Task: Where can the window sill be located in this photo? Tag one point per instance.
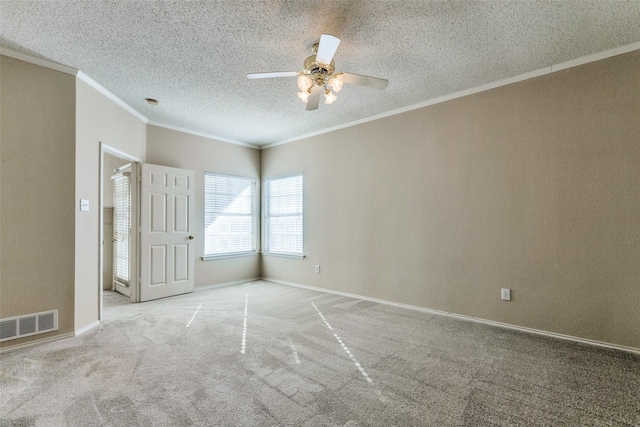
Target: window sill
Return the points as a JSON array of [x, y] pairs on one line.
[[229, 255], [284, 255]]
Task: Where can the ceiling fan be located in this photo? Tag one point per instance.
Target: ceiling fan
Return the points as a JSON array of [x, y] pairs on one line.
[[319, 75]]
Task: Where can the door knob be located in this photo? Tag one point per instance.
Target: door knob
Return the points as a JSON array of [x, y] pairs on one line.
[[191, 237]]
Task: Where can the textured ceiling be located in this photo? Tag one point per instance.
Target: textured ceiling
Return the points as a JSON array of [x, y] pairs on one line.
[[193, 56]]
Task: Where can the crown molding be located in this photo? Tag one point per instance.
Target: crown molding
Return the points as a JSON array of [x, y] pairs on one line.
[[106, 92], [79, 74], [432, 101], [110, 95], [596, 56], [521, 77], [38, 61], [202, 134]]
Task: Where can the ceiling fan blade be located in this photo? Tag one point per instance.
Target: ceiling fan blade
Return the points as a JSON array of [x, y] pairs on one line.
[[357, 79], [272, 74], [314, 98], [327, 48]]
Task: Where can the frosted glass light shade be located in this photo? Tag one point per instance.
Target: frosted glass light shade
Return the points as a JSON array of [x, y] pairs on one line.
[[329, 98], [304, 96], [304, 83], [337, 84]]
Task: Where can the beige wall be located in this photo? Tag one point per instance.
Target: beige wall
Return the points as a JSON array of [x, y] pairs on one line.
[[181, 150], [37, 152], [533, 186], [98, 120]]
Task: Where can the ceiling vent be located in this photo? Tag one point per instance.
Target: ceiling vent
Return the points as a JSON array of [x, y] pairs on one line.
[[12, 328]]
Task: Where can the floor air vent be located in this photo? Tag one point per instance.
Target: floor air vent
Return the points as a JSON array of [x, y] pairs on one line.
[[29, 324]]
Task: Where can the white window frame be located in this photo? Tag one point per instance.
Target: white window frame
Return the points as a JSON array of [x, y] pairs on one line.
[[267, 216], [254, 219], [122, 226]]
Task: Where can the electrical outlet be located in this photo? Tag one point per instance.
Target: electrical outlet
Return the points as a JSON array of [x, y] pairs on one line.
[[84, 205], [506, 294], [317, 269]]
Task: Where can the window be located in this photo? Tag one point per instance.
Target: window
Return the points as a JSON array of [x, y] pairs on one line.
[[121, 224], [283, 215], [229, 220]]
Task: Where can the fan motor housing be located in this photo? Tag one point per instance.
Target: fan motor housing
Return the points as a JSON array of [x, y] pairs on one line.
[[311, 66]]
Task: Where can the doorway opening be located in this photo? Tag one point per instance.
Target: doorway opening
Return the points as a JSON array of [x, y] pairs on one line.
[[147, 244], [118, 224]]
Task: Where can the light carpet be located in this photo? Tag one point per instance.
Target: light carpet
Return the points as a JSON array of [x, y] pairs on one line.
[[263, 354]]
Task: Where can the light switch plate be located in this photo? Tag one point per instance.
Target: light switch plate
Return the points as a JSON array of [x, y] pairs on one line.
[[84, 205], [505, 294]]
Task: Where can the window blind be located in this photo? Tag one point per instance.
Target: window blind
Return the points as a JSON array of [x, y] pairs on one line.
[[283, 215], [228, 214], [121, 226]]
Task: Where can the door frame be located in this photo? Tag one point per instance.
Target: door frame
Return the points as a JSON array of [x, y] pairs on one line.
[[135, 222]]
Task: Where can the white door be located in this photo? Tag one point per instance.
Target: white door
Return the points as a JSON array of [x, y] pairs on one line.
[[167, 240]]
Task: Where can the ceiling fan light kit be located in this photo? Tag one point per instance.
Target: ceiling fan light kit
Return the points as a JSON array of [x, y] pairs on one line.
[[319, 75], [304, 82], [336, 83], [329, 98], [303, 95]]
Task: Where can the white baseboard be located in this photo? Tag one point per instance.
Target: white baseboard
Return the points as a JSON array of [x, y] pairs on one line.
[[219, 285], [54, 338], [464, 317], [88, 327], [37, 342]]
